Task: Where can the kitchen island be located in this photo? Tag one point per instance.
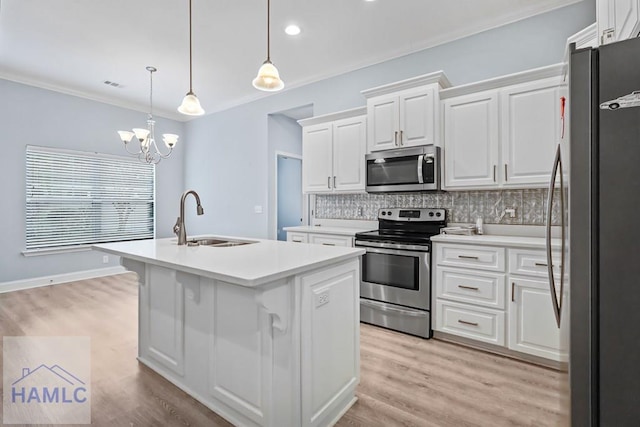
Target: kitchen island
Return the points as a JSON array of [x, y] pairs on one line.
[[264, 333]]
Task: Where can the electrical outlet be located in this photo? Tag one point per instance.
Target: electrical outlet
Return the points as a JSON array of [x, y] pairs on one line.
[[511, 212], [257, 209], [105, 259], [322, 299]]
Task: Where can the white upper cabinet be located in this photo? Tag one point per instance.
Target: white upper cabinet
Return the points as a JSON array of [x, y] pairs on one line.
[[503, 132], [317, 158], [404, 114], [349, 136], [383, 114], [333, 148], [471, 140], [617, 20], [531, 130]]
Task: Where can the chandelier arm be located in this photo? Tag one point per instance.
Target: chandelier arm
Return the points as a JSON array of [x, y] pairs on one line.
[[126, 147], [159, 152]]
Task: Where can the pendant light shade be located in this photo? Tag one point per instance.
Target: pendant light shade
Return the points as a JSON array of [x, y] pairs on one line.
[[190, 104], [268, 78]]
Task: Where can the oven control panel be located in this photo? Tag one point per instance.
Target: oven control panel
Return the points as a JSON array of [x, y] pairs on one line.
[[412, 214]]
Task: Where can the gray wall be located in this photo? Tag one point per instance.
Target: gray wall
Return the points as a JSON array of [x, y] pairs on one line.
[[229, 156], [33, 116]]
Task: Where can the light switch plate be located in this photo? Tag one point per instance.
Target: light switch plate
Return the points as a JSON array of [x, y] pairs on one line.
[[257, 209], [322, 299]]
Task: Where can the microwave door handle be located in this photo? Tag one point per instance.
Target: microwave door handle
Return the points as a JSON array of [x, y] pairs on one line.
[[420, 174]]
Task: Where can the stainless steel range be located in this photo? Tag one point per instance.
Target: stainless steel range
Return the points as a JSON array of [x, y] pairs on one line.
[[395, 287]]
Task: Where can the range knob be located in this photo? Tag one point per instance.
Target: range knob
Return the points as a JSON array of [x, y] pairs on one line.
[[430, 213], [388, 212], [383, 213], [438, 214]]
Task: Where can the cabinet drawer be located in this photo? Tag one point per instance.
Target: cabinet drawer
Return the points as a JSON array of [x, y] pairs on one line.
[[480, 288], [476, 257], [296, 237], [477, 323], [531, 263], [329, 240]]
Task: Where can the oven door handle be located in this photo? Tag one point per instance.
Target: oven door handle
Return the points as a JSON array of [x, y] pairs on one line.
[[386, 307], [390, 247]]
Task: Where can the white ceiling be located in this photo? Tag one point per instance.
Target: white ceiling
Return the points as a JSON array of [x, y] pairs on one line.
[[74, 45]]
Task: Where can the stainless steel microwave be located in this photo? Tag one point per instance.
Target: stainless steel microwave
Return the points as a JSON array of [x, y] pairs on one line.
[[406, 169]]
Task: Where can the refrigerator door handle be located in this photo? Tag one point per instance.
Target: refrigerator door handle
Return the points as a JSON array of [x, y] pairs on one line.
[[557, 164]]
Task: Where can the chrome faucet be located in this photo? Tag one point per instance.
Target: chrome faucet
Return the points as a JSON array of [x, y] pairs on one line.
[[179, 229]]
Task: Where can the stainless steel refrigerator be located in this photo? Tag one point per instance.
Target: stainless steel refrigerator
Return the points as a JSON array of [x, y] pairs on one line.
[[602, 167]]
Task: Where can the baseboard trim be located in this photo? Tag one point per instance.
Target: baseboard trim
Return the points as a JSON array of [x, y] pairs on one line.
[[57, 279]]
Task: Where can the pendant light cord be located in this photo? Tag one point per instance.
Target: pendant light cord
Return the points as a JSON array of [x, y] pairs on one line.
[[190, 53], [150, 94], [268, 31]]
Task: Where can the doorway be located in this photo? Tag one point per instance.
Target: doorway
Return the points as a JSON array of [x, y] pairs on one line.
[[289, 198]]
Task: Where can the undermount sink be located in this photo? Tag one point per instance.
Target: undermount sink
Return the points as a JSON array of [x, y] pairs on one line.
[[217, 243]]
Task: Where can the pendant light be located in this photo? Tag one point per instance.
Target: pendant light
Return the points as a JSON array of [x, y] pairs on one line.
[[268, 78], [190, 104]]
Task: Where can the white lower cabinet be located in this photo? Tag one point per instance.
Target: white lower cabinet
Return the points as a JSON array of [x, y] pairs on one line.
[[326, 239], [533, 327], [330, 240], [477, 323], [496, 295]]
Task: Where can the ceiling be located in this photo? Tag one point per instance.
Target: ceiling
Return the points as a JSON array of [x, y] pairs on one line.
[[73, 46]]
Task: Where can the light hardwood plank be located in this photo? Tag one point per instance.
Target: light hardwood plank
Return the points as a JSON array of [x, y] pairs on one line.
[[405, 381]]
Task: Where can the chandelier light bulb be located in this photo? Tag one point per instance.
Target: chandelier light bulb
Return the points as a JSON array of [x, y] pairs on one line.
[[141, 134], [170, 139], [126, 136]]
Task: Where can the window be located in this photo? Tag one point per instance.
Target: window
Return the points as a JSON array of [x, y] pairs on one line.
[[76, 198]]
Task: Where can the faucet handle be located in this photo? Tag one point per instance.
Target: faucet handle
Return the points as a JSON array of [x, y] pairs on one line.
[[176, 227]]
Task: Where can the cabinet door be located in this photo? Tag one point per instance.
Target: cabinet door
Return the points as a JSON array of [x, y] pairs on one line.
[[349, 140], [383, 126], [471, 140], [617, 20], [317, 158], [417, 117], [532, 324], [530, 131]]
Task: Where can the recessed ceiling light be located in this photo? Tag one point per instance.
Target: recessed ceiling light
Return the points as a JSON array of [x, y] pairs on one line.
[[292, 30]]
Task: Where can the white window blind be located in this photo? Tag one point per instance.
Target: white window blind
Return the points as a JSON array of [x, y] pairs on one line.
[[75, 198]]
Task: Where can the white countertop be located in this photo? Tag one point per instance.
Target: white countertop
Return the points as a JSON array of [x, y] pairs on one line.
[[497, 240], [247, 265], [342, 231]]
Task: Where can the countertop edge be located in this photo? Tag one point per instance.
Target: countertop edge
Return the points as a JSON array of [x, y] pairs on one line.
[[249, 283], [497, 240]]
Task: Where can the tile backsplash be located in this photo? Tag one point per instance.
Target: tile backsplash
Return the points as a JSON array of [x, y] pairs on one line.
[[462, 206]]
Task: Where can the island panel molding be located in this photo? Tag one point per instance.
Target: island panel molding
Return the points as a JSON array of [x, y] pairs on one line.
[[283, 352]]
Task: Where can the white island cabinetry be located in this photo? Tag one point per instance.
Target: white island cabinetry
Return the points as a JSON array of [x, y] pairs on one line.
[[264, 334]]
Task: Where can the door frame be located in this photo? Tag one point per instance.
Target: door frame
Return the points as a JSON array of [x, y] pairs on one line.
[[305, 196]]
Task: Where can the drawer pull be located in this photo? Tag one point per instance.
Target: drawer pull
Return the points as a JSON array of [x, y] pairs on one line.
[[329, 244], [464, 322], [467, 257], [296, 241], [513, 296], [473, 288], [541, 264]]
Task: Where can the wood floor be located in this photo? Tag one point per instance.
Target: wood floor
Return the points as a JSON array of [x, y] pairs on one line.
[[405, 381]]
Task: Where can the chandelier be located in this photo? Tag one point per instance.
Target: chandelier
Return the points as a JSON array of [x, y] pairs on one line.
[[148, 151]]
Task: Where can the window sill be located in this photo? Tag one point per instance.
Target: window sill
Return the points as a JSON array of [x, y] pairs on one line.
[[52, 251]]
